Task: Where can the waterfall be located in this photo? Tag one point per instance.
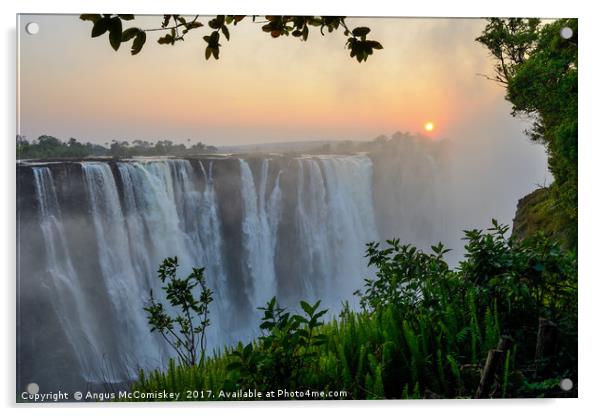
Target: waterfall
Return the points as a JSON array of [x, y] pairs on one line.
[[312, 217], [296, 229], [65, 287], [124, 287], [260, 220], [171, 216], [350, 220], [211, 236]]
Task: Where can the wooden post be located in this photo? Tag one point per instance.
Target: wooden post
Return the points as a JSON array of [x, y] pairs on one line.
[[494, 359], [547, 340], [504, 343]]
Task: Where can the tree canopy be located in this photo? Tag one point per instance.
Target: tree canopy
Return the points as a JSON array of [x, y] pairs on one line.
[[538, 68], [48, 147], [177, 27]]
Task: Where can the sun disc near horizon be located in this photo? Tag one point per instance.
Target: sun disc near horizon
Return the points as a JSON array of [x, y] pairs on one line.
[[429, 126]]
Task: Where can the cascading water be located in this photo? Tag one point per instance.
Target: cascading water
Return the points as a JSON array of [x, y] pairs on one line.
[[171, 216], [124, 288], [294, 228], [350, 219], [260, 220], [312, 214], [64, 285]]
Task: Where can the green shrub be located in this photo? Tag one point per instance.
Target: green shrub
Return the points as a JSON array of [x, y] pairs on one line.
[[424, 330]]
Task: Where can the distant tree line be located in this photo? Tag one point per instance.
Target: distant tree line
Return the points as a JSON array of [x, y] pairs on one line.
[[49, 147], [382, 143]]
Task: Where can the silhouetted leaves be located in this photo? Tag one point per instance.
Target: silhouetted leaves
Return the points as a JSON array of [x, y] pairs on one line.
[[115, 29], [168, 39], [277, 26], [139, 37], [90, 17], [361, 32], [218, 22], [213, 45], [128, 34], [361, 49], [138, 42], [226, 32], [101, 25]]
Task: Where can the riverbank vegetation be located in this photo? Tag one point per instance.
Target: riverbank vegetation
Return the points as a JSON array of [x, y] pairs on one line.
[[537, 65], [49, 147], [501, 324]]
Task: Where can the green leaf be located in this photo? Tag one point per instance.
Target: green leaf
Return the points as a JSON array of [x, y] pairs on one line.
[[320, 339], [248, 349], [306, 307], [126, 16], [233, 366], [320, 314]]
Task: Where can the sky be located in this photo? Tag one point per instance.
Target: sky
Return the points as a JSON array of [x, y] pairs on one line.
[[261, 89]]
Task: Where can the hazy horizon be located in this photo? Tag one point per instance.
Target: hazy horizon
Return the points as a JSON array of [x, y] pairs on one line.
[[261, 90]]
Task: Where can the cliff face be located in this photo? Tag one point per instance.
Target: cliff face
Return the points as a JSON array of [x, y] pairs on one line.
[[535, 213]]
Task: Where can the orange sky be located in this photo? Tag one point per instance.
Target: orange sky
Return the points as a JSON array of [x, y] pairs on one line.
[[261, 89]]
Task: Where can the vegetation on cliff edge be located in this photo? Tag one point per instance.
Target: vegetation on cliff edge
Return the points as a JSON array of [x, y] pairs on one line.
[[537, 66], [425, 330]]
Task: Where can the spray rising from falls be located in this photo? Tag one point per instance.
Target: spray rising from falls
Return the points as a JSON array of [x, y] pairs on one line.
[[294, 228]]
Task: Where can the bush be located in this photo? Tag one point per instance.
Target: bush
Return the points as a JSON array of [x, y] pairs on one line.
[[191, 297], [424, 330]]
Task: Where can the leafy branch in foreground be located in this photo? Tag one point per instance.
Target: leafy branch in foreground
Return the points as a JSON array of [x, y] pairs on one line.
[[185, 332], [178, 26]]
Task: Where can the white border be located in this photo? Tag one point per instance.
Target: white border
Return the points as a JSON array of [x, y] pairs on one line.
[[590, 153]]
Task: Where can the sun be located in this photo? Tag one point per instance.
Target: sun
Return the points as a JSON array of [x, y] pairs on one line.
[[429, 126]]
